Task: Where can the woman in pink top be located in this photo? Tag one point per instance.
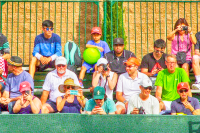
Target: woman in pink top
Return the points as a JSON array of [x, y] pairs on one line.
[[182, 35]]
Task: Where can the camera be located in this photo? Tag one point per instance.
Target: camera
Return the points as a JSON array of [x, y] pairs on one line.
[[105, 68], [184, 27], [141, 110]]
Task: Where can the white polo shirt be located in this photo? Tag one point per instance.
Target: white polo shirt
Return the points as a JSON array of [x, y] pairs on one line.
[[52, 81], [128, 86]]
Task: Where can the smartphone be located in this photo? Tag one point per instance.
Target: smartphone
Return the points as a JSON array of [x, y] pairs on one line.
[[96, 106], [73, 92], [26, 92]]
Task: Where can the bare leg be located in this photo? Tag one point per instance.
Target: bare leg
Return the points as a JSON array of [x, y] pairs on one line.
[[120, 109], [32, 66], [0, 90], [46, 108], [185, 66], [195, 65], [82, 72]]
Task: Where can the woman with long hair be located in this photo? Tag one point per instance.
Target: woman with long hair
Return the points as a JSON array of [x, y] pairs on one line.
[[182, 39]]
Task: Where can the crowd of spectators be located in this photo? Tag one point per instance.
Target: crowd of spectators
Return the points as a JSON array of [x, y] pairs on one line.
[[118, 71]]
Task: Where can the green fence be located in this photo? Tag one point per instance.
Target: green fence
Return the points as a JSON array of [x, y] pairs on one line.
[[51, 123], [139, 22]]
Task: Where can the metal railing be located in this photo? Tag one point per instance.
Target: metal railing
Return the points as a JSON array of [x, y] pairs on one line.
[[143, 21]]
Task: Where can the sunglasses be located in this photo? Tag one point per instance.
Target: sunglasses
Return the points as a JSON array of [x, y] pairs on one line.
[[158, 51], [48, 29], [150, 88], [130, 66], [60, 65], [69, 86], [181, 91]]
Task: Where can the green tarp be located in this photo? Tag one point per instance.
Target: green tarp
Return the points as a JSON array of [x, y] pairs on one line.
[[99, 123]]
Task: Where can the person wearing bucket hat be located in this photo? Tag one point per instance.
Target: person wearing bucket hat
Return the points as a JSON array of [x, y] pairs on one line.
[[100, 104], [17, 75], [185, 104], [102, 46], [128, 84], [118, 56], [47, 47], [104, 77], [73, 99], [143, 103], [27, 104], [52, 82]]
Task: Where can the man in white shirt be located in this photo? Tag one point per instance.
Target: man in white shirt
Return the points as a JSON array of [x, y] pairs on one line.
[[143, 103], [51, 83], [128, 84]]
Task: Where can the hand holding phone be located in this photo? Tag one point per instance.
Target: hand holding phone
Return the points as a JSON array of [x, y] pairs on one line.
[[27, 92]]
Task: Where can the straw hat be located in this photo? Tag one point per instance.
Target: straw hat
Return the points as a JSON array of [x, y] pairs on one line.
[[68, 81]]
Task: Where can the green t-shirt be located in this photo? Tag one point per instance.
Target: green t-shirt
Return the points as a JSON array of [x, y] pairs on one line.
[[169, 81]]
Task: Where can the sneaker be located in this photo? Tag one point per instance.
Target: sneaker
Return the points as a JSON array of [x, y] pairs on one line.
[[81, 83], [196, 86]]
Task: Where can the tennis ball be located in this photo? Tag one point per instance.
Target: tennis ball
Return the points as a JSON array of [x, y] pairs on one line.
[[91, 55]]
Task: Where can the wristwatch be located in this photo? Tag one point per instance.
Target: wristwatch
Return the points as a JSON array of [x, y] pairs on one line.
[[125, 101]]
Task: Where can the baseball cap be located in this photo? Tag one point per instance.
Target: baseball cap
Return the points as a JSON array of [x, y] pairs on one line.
[[96, 30], [60, 60], [15, 61], [102, 61], [146, 83], [183, 85], [68, 81], [132, 61], [98, 93], [118, 41], [24, 86]]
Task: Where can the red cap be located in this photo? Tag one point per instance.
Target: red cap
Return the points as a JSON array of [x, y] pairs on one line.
[[183, 85], [24, 86], [132, 61], [96, 30]]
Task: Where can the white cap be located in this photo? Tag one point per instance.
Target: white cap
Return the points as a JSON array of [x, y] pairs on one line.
[[146, 82], [60, 60], [102, 61]]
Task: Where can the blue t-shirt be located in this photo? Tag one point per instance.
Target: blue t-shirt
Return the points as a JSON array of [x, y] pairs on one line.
[[47, 47], [102, 44], [108, 106], [13, 82], [178, 107]]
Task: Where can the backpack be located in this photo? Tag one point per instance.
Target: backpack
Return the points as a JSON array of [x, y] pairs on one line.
[[73, 56]]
